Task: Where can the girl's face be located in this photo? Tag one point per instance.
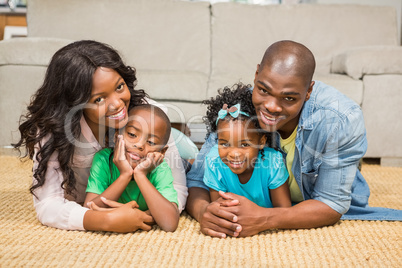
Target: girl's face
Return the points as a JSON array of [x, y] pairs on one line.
[[108, 104], [239, 143]]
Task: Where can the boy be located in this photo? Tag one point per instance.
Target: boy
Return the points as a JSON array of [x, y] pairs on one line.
[[138, 171]]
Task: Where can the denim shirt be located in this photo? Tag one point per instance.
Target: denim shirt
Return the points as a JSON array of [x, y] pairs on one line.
[[330, 141]]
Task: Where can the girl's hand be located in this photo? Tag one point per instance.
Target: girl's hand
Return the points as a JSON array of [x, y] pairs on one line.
[[120, 160], [150, 163]]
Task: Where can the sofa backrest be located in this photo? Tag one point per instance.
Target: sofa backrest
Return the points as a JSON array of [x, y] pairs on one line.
[[168, 42], [241, 33]]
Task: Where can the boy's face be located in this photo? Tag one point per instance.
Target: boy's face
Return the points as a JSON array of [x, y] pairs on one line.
[[278, 100], [143, 134], [239, 144]]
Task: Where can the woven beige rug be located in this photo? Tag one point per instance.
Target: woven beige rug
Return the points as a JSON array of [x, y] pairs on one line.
[[24, 242]]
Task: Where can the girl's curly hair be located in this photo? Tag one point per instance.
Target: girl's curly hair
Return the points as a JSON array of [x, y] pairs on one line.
[[238, 93]]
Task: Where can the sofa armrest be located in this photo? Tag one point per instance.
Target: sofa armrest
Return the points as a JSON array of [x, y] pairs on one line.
[[30, 50], [359, 61]]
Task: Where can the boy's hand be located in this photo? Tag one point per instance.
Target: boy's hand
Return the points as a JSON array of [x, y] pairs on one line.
[[150, 163], [120, 160]]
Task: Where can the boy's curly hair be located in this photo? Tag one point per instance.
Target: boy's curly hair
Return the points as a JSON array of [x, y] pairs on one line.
[[238, 93]]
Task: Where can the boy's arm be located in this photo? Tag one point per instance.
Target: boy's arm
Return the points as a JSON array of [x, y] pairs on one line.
[[165, 213], [113, 192]]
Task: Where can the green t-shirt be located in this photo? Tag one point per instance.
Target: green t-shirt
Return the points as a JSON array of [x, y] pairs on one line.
[[100, 179]]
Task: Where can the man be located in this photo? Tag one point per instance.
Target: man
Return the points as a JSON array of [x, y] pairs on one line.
[[322, 135]]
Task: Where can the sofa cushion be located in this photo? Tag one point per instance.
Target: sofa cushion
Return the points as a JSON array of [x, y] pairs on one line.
[[173, 85], [241, 33], [29, 51], [167, 37], [359, 61]]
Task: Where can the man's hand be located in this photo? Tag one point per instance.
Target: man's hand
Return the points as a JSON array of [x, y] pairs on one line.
[[249, 215], [215, 221]]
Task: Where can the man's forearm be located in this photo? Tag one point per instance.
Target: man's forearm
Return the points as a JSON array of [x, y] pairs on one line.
[[197, 201], [307, 214]]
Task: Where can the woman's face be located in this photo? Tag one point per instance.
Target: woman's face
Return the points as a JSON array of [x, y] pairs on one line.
[[108, 104]]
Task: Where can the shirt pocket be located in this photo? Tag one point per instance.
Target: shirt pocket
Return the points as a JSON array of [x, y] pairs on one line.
[[310, 169]]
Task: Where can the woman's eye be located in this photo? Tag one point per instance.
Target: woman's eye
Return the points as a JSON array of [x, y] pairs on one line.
[[245, 145], [98, 100], [121, 87]]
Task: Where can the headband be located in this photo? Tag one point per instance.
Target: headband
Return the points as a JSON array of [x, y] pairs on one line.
[[234, 111]]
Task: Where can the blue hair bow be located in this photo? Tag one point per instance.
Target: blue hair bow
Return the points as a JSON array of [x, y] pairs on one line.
[[234, 111]]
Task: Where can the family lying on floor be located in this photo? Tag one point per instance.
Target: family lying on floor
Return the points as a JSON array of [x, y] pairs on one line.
[[281, 154]]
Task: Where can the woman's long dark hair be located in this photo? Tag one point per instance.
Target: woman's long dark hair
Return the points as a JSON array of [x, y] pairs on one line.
[[67, 85]]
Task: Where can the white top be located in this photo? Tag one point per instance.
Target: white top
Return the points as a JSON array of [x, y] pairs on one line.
[[56, 209]]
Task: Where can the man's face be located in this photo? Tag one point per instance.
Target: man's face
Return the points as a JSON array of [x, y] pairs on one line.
[[278, 100]]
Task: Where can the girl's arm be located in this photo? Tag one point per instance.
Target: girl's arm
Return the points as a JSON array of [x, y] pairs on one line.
[[165, 213], [214, 195], [280, 197]]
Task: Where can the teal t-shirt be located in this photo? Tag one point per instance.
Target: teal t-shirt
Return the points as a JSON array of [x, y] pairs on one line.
[[100, 178], [269, 173]]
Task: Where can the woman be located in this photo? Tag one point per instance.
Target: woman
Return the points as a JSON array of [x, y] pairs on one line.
[[84, 97]]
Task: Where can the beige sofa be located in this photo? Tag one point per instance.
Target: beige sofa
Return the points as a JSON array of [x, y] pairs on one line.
[[184, 51]]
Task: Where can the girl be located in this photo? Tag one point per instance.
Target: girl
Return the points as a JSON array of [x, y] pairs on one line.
[[240, 163], [85, 95]]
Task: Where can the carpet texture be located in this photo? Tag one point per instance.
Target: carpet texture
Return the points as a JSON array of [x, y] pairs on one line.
[[24, 242]]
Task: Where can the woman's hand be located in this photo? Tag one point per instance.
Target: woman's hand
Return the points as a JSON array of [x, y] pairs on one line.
[[149, 163], [120, 160], [121, 218]]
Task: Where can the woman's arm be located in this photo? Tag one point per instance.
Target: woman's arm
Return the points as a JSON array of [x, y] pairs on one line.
[[122, 218], [54, 210], [280, 197], [172, 157]]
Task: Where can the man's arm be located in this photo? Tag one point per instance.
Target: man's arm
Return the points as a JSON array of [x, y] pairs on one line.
[[254, 219]]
